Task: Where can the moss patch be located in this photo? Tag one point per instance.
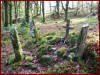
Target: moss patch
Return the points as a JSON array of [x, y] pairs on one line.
[[29, 58], [30, 66], [46, 60], [61, 51]]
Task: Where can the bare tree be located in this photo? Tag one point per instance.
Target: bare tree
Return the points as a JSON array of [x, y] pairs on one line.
[[65, 9]]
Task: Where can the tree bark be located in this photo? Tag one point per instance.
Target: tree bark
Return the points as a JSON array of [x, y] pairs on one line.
[[43, 11], [6, 13], [98, 11], [67, 28], [27, 11], [10, 13], [57, 8], [66, 11], [91, 6], [15, 4]]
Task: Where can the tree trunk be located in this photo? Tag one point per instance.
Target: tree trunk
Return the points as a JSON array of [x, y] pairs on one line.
[[77, 9], [72, 4], [98, 11], [57, 8], [6, 13], [91, 6], [16, 45], [10, 13], [2, 13], [67, 28], [15, 4], [81, 41], [27, 11], [66, 11], [40, 7], [50, 5], [43, 11]]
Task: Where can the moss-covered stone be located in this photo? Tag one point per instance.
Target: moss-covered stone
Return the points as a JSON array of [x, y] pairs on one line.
[[54, 40], [16, 45], [29, 58], [46, 60], [15, 66], [30, 66], [61, 51], [41, 51]]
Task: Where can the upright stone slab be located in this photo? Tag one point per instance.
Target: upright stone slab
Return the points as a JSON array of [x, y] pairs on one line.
[[67, 28], [33, 30], [16, 45], [81, 41]]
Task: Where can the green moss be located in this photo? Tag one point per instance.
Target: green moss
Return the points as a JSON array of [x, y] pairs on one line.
[[65, 56], [73, 40], [10, 60], [15, 66], [29, 58], [16, 45], [41, 51], [46, 60], [54, 40], [30, 44], [30, 66], [61, 51]]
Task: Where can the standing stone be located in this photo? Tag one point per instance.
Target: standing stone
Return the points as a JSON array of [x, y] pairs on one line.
[[16, 45], [67, 28], [81, 41], [33, 30]]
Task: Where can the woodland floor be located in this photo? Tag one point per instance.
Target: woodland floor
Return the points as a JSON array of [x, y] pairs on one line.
[[6, 49]]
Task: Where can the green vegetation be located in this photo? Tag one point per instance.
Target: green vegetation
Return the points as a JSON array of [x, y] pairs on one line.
[[61, 51], [34, 41], [46, 60]]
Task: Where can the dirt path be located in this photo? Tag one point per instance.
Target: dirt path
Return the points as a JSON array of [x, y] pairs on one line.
[[54, 28]]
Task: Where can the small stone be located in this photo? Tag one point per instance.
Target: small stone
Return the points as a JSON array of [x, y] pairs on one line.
[[26, 52], [69, 56], [29, 58]]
